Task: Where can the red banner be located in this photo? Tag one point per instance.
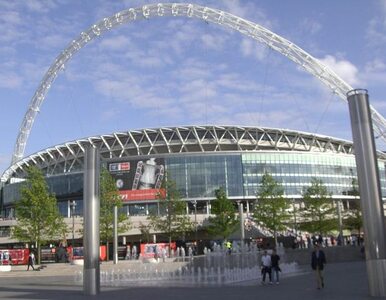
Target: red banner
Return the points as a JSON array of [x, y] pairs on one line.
[[149, 194]]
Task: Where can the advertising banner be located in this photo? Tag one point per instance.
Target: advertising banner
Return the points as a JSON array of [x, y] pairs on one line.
[[138, 179], [14, 256]]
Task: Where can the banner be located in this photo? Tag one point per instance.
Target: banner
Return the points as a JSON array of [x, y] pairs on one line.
[[139, 179]]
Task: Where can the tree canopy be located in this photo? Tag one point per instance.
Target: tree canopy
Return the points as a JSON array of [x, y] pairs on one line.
[[353, 219], [173, 220], [224, 220], [109, 197], [37, 213], [319, 214], [271, 208]]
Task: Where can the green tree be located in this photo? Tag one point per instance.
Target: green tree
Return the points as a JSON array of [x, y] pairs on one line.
[[109, 197], [37, 213], [224, 220], [319, 214], [145, 231], [271, 208], [353, 220], [173, 221]]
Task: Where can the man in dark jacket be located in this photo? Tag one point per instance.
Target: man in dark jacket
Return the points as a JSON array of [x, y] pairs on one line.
[[318, 260], [275, 266]]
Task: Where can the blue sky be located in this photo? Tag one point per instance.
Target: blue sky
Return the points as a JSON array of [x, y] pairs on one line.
[[180, 71]]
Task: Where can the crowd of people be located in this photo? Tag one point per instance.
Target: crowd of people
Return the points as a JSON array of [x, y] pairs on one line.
[[307, 241]]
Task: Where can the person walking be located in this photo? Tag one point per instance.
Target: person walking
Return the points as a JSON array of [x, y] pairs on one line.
[[266, 267], [31, 261], [275, 269], [318, 260]]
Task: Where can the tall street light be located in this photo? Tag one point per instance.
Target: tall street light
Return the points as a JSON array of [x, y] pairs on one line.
[[194, 202], [73, 206]]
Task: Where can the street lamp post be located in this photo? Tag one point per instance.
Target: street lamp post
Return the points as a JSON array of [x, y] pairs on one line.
[[73, 205], [194, 202], [370, 190], [295, 219]]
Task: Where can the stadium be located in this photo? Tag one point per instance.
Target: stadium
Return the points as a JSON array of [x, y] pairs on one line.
[[200, 159]]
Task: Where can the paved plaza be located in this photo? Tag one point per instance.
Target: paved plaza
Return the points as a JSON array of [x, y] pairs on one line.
[[57, 281]]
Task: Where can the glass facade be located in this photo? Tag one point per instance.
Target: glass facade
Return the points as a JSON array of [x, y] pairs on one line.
[[198, 175], [70, 184], [294, 171]]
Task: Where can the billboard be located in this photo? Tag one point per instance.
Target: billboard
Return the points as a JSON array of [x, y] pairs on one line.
[[14, 256], [138, 179]]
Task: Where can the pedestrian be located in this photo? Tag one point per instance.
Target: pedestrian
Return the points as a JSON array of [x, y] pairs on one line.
[[266, 267], [353, 240], [318, 260], [275, 269], [229, 247], [163, 254], [301, 242], [340, 240], [308, 241], [320, 240], [31, 261], [155, 250]]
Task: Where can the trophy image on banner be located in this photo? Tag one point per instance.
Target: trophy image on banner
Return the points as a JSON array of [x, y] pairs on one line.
[[148, 175]]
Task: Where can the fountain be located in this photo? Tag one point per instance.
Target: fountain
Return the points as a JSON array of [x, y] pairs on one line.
[[215, 268]]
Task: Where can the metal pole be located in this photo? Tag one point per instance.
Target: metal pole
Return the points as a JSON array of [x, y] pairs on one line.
[[73, 204], [370, 192], [115, 257], [195, 224], [339, 209], [73, 228], [295, 220], [91, 208], [241, 213]]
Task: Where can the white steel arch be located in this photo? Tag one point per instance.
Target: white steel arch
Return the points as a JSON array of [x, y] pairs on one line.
[[253, 30]]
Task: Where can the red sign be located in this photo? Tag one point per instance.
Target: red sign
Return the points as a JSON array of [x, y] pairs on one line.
[[149, 194], [77, 252], [156, 249], [18, 256], [125, 166], [119, 167]]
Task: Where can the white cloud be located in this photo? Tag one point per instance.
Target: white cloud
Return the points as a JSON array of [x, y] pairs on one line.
[[375, 33], [180, 35], [52, 41], [147, 58], [251, 48], [383, 7], [377, 65], [119, 42], [132, 92], [343, 68], [10, 81], [11, 18], [249, 11], [192, 69], [214, 42], [310, 26], [375, 72], [39, 5]]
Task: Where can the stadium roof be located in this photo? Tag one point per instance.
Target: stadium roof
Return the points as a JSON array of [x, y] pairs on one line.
[[68, 157]]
